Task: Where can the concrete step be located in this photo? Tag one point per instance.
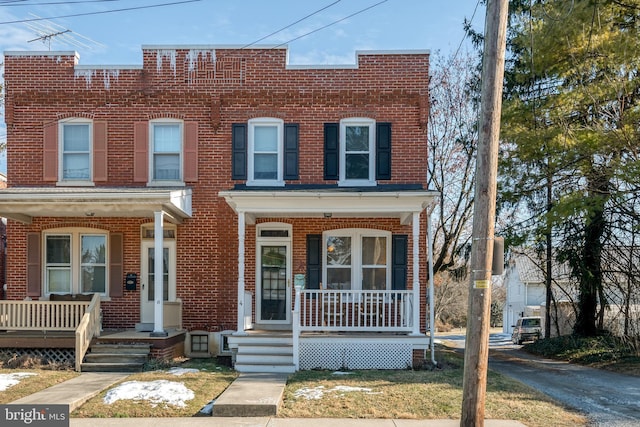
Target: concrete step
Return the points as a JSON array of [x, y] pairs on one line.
[[251, 395], [265, 368], [111, 367], [264, 359], [121, 348], [116, 358], [257, 339], [265, 348]]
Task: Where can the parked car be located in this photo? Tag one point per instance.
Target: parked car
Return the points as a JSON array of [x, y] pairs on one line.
[[526, 329]]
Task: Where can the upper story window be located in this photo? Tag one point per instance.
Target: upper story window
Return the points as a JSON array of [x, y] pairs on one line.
[[75, 151], [357, 152], [166, 151], [265, 152], [75, 262]]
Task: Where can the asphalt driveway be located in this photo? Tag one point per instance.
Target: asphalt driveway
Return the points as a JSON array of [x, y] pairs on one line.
[[608, 399]]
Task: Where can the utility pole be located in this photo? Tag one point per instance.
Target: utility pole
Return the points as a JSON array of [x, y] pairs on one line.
[[476, 353]]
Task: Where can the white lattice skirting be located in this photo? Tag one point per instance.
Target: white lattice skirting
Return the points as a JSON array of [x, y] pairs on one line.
[[355, 355]]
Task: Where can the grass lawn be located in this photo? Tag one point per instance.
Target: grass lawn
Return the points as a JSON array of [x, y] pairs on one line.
[[417, 394]]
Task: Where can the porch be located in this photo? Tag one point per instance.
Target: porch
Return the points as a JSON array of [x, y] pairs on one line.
[[65, 329], [336, 329]]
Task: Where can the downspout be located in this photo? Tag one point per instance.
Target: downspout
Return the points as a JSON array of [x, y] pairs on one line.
[[432, 316]]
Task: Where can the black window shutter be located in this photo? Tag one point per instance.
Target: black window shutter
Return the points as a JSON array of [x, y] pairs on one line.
[[239, 149], [399, 262], [331, 150], [291, 149], [314, 261], [383, 151]]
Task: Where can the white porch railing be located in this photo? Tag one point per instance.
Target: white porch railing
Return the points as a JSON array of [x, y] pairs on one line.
[[354, 310], [83, 317]]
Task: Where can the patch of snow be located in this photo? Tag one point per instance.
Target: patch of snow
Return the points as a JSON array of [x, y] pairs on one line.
[[312, 393], [181, 371], [208, 408], [9, 380], [160, 391], [342, 373]]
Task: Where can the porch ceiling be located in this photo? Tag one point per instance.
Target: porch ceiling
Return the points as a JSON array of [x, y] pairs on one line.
[[23, 204], [334, 204]]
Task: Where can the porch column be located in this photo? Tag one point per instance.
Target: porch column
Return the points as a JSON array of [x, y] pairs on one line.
[[158, 275], [241, 250], [416, 274]]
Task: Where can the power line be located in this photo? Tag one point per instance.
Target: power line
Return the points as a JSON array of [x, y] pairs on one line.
[[101, 12], [332, 23], [292, 24]]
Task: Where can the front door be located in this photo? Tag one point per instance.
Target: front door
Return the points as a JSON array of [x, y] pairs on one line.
[[274, 283], [147, 281]]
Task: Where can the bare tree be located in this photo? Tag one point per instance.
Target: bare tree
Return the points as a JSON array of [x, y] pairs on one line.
[[452, 138]]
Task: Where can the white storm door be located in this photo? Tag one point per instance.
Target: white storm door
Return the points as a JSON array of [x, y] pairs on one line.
[[273, 296], [147, 279]]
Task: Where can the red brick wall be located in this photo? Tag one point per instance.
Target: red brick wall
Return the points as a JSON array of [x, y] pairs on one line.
[[237, 86]]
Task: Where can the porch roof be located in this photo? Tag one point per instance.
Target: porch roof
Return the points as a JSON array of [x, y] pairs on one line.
[[24, 203], [330, 203]]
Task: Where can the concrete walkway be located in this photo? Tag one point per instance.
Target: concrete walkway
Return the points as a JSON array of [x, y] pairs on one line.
[[75, 391], [250, 392]]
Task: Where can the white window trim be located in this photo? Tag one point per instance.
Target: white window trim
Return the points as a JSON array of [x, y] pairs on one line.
[[356, 235], [265, 121], [67, 181], [357, 121], [76, 261], [165, 182]]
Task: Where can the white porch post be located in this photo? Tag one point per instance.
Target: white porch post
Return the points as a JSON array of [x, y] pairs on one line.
[[416, 274], [241, 251], [158, 303]]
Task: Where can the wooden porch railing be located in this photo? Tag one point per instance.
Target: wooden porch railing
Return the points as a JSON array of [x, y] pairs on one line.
[[41, 315], [83, 317], [354, 310], [88, 328]]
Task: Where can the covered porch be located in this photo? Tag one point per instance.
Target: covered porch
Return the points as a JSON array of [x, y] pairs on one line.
[[346, 319]]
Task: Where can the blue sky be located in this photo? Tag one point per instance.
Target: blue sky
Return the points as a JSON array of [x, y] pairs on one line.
[[115, 38]]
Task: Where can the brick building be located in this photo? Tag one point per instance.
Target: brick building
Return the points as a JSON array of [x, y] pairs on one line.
[[230, 176], [3, 243]]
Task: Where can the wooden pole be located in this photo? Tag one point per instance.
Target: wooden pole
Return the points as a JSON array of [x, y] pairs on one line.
[[478, 315]]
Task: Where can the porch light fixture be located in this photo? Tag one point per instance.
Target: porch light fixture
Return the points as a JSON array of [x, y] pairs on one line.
[[89, 213], [327, 214]]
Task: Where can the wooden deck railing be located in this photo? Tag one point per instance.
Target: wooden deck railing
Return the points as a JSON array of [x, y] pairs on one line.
[[41, 315], [88, 328], [83, 317]]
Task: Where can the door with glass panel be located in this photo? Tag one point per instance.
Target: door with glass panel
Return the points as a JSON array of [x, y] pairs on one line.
[[273, 290], [147, 280]]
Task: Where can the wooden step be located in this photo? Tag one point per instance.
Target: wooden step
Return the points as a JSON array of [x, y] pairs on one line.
[[112, 367]]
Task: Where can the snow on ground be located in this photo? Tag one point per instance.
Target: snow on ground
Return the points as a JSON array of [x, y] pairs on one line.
[[8, 380], [157, 392], [311, 393], [181, 371]]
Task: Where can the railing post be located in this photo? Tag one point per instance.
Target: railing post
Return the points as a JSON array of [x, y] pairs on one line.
[[296, 329]]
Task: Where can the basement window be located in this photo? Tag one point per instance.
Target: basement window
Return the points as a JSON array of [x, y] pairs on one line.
[[200, 343]]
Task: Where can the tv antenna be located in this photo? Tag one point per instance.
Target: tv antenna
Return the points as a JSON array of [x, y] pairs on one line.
[[47, 31]]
